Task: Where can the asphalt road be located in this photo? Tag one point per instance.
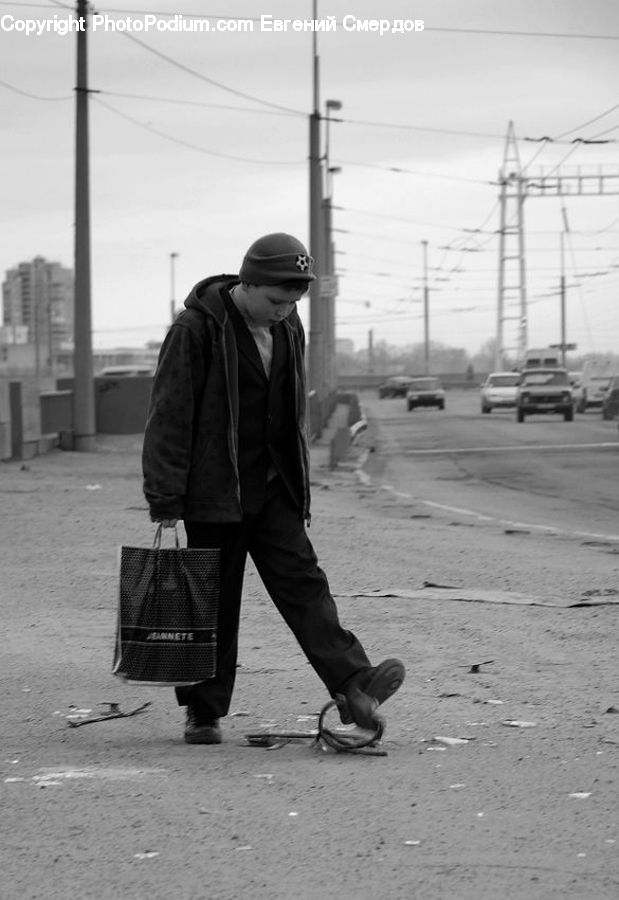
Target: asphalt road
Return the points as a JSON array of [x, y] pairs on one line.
[[500, 773], [544, 473]]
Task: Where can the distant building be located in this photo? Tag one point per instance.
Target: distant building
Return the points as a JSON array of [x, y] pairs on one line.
[[37, 301], [116, 357], [345, 345]]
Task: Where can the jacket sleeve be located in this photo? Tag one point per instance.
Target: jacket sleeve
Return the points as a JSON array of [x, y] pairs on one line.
[[168, 438]]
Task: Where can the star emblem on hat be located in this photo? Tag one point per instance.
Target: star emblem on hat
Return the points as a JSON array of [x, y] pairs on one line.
[[302, 262]]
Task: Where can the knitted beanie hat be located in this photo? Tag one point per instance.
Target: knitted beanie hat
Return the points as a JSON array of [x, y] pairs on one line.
[[275, 258]]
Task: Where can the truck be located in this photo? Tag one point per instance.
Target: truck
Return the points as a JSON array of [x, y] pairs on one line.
[[543, 357]]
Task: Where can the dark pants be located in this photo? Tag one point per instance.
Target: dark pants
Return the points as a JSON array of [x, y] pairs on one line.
[[275, 539]]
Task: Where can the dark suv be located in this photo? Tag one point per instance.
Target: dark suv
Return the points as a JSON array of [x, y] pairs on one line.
[[610, 403], [545, 391], [396, 386]]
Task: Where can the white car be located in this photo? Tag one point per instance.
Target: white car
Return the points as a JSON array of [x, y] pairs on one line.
[[499, 391]]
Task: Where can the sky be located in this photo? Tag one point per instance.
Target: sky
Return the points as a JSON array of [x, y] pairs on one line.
[[199, 145]]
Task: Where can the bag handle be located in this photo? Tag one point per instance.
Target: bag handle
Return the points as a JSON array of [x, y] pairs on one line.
[[157, 538]]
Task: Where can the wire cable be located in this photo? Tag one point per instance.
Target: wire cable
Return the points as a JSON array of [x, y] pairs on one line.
[[544, 34], [190, 146], [11, 87], [211, 81], [590, 121], [202, 103]]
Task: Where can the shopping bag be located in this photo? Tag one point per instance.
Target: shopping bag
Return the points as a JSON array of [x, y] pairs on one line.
[[168, 601]]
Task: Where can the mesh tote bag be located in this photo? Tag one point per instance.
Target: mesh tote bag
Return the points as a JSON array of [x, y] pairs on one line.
[[167, 614]]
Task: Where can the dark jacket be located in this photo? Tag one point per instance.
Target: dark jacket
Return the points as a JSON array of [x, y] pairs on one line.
[[190, 457]]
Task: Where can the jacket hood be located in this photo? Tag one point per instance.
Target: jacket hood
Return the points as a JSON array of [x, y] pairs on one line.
[[206, 296]]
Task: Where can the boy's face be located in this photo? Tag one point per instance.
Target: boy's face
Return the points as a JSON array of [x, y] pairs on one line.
[[268, 304]]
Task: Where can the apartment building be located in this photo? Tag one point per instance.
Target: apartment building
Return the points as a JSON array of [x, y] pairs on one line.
[[37, 310]]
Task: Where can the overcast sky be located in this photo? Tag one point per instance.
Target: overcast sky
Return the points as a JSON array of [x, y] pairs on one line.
[[199, 144]]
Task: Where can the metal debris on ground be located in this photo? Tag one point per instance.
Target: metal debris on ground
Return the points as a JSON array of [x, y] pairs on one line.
[[450, 741], [430, 591], [357, 741], [114, 712], [77, 714], [476, 667]]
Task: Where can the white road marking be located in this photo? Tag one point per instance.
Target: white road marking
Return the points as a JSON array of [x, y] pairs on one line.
[[460, 510], [511, 448]]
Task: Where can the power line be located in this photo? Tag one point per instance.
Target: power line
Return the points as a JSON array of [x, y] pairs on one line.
[[402, 171], [363, 212], [449, 131], [602, 133], [408, 127], [17, 90], [211, 81], [203, 103], [590, 121], [190, 146], [545, 34]]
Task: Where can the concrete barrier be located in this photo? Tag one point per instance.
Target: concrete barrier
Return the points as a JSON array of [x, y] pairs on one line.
[[345, 435]]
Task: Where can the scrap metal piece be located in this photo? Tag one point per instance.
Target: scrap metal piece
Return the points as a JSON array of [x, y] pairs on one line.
[[114, 712], [341, 742]]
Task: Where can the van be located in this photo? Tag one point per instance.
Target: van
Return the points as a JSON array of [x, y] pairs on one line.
[[542, 358]]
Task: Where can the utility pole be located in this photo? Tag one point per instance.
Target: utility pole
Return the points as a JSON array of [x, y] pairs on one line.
[[316, 335], [83, 391], [426, 310], [564, 231], [328, 279]]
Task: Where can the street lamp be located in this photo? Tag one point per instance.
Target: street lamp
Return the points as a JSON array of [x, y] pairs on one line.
[[315, 354], [334, 105], [173, 257], [327, 274]]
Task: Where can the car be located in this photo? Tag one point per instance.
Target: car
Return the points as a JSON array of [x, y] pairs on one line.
[[395, 386], [425, 392], [499, 391], [594, 392], [610, 403], [545, 391]]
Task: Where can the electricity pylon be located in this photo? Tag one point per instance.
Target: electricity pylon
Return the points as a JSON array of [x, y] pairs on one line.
[[512, 289], [515, 188]]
